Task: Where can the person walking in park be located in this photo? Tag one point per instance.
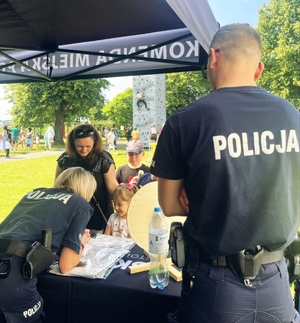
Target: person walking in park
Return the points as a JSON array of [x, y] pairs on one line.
[[8, 147], [153, 133], [116, 133], [3, 137], [29, 139], [50, 136], [23, 138], [230, 163], [15, 131], [106, 131], [37, 141], [111, 140]]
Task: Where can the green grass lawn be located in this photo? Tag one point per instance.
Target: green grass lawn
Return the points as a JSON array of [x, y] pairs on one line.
[[21, 176]]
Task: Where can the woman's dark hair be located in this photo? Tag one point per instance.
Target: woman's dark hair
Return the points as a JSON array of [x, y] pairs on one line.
[[84, 131]]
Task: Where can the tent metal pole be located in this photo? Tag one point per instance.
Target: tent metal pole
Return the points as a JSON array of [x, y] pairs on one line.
[[26, 66]]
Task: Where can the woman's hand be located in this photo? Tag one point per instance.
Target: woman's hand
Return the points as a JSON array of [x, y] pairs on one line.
[[86, 237], [68, 258]]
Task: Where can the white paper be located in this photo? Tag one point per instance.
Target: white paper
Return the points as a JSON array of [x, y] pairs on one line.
[[99, 257]]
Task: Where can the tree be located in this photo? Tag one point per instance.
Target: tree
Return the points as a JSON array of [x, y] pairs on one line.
[[39, 104], [279, 26], [119, 110], [183, 88]]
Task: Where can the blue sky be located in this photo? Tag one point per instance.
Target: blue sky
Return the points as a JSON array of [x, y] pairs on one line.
[[225, 12], [231, 11]]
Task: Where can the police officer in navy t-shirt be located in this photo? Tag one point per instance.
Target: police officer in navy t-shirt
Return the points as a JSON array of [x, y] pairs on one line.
[[64, 209], [230, 162]]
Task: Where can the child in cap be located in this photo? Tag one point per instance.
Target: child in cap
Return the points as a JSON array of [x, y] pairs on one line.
[[129, 173]]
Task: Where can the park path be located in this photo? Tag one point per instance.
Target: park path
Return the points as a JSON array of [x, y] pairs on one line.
[[14, 156]]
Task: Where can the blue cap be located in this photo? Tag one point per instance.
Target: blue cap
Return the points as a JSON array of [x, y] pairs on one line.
[[157, 209]]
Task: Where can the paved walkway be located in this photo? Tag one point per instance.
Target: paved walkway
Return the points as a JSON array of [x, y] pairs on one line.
[[17, 155], [14, 156]]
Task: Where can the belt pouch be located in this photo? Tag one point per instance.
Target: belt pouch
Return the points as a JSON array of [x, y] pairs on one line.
[[38, 259], [177, 244], [188, 272], [246, 264]]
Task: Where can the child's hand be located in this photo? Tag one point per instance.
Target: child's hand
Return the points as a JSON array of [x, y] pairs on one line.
[[134, 180]]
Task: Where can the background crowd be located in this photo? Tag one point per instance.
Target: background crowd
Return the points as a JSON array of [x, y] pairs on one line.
[[20, 138]]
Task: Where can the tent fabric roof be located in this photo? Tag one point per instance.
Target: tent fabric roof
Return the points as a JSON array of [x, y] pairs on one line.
[[96, 35], [47, 24]]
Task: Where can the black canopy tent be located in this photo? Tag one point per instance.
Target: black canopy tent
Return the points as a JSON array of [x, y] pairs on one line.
[[43, 40]]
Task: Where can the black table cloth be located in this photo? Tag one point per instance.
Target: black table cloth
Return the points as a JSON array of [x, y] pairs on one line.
[[122, 297]]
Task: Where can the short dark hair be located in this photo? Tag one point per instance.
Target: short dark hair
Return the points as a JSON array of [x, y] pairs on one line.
[[236, 35]]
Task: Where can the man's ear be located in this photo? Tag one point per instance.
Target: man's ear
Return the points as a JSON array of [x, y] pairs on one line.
[[259, 70], [213, 57]]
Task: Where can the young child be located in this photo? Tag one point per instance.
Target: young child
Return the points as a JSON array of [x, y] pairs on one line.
[[117, 222], [7, 147], [37, 141], [45, 141], [28, 143]]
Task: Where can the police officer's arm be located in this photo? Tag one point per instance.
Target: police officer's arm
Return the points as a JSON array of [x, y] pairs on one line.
[[69, 258], [169, 192]]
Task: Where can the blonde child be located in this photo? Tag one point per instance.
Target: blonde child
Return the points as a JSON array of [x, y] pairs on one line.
[[37, 141], [117, 222]]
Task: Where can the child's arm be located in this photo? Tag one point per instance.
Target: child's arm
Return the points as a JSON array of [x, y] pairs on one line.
[[108, 230]]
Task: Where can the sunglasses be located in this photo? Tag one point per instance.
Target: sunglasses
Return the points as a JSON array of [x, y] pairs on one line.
[[83, 133]]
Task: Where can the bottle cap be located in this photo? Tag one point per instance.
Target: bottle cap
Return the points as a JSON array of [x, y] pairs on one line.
[[157, 209]]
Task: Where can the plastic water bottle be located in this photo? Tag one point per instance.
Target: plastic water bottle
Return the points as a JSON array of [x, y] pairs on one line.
[[158, 250]]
